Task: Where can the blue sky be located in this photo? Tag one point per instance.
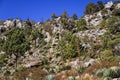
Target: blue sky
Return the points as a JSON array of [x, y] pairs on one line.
[[41, 9]]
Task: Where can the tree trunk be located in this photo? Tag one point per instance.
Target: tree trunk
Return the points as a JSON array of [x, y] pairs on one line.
[[16, 61], [78, 48], [35, 43]]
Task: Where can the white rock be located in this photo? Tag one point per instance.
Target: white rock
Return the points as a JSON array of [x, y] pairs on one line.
[[31, 64], [57, 19], [2, 53], [116, 79], [19, 23], [77, 77], [48, 37], [13, 56], [9, 23], [96, 21], [27, 79], [86, 45], [118, 6], [74, 63], [109, 5], [51, 50], [89, 63]]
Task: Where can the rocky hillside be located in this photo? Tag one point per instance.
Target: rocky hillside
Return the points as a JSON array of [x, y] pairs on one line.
[[63, 47]]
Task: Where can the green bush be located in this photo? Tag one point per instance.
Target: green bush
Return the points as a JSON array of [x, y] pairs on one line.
[[112, 72], [105, 38], [116, 12], [2, 59], [81, 24], [50, 77], [46, 67], [107, 54], [104, 11], [108, 73], [113, 25], [91, 8], [71, 78], [53, 16], [100, 5], [22, 68], [58, 69], [6, 72], [16, 43], [112, 43], [67, 47], [116, 71], [1, 44], [103, 24], [45, 60], [74, 17], [100, 72], [66, 67], [80, 69], [108, 78]]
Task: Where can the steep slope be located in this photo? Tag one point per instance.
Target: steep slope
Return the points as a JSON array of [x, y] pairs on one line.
[[62, 47]]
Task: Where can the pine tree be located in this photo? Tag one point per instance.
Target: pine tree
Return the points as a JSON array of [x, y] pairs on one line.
[[16, 43]]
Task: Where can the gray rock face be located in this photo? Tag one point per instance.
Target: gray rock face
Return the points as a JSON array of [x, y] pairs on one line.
[[91, 34], [93, 20], [96, 21]]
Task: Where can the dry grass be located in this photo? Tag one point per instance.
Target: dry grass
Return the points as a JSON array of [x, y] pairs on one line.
[[64, 75], [102, 64], [71, 72], [87, 77], [33, 73], [60, 76]]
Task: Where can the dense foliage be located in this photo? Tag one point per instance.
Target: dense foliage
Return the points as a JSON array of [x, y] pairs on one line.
[[16, 43], [91, 8], [67, 47], [81, 25]]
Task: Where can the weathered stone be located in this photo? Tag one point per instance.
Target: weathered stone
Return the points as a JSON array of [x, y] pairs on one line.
[[89, 63]]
